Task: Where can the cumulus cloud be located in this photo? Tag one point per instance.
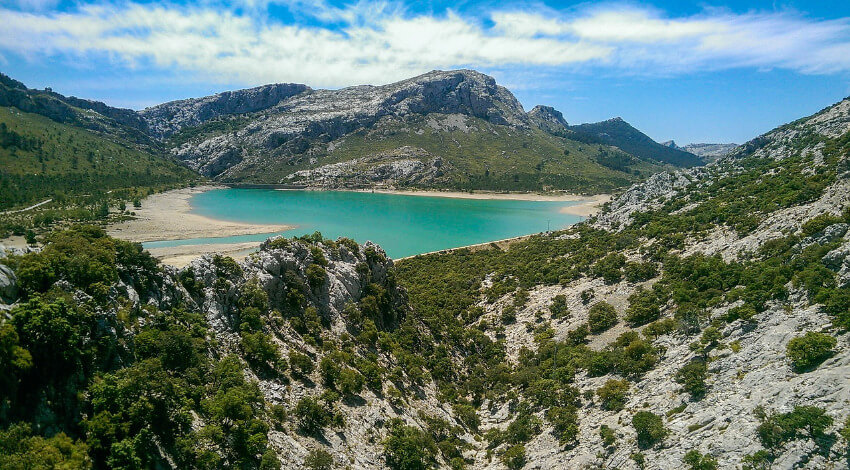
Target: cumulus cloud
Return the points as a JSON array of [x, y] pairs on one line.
[[379, 42]]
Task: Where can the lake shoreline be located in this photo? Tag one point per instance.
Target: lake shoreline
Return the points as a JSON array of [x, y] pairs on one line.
[[168, 216], [588, 205]]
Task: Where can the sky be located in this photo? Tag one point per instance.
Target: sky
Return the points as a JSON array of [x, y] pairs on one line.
[[712, 71]]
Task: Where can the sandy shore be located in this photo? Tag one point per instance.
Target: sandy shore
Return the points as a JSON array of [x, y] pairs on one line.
[[588, 205], [167, 216], [180, 256]]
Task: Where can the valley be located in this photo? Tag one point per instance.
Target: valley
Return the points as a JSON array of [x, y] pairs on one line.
[[698, 318]]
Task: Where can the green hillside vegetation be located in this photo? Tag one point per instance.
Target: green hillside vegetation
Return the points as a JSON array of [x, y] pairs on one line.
[[623, 135], [41, 158], [482, 156], [87, 389]]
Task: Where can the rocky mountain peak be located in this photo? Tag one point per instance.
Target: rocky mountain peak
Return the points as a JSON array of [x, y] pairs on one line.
[[167, 118], [548, 114]]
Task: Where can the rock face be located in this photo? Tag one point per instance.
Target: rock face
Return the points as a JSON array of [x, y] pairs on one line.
[[288, 118], [8, 285], [548, 118], [710, 152], [402, 166], [168, 118]]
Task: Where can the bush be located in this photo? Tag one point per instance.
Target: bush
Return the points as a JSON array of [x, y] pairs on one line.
[[316, 276], [301, 364], [613, 394], [514, 457], [692, 377], [409, 448], [697, 461], [609, 437], [649, 427], [558, 308], [639, 271], [565, 423], [810, 350], [601, 317], [319, 459], [644, 307], [312, 416], [610, 267], [777, 429]]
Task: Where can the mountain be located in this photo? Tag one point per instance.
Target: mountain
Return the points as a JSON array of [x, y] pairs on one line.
[[57, 146], [699, 321], [444, 129], [618, 132], [707, 152]]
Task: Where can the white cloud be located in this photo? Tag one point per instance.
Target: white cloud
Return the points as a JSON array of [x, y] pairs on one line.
[[380, 42]]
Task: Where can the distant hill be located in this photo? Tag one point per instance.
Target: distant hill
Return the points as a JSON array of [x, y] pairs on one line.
[[708, 152], [618, 132], [51, 145], [444, 129]]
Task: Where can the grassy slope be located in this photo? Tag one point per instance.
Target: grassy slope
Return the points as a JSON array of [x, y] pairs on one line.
[[484, 156], [62, 159]]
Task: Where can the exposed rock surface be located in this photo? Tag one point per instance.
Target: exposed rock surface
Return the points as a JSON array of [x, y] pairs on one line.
[[288, 120], [405, 165], [168, 118]]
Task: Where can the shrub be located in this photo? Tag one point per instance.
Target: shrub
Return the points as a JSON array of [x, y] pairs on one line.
[[692, 377], [301, 364], [558, 307], [697, 461], [659, 327], [640, 271], [649, 427], [643, 307], [259, 349], [514, 457], [316, 276], [312, 416], [810, 350], [610, 267], [408, 448], [601, 317], [613, 394], [319, 459], [608, 436], [777, 429], [565, 423]]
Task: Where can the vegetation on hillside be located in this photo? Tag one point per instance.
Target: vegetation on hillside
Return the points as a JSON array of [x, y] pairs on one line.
[[476, 155], [79, 170]]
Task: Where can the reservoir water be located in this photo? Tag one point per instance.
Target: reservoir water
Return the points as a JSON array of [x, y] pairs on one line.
[[403, 225]]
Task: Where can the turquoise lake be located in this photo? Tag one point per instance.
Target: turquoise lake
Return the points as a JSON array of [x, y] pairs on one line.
[[403, 225]]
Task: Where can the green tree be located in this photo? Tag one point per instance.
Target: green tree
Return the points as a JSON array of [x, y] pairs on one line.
[[692, 376], [319, 459], [601, 317], [697, 461], [613, 394], [649, 428], [810, 350], [409, 448]]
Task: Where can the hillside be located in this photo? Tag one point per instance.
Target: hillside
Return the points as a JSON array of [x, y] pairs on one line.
[[455, 129], [707, 152], [621, 134], [84, 156], [700, 321]]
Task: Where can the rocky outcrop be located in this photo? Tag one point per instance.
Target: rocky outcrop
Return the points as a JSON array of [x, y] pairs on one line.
[[168, 118], [295, 124], [548, 118], [402, 166]]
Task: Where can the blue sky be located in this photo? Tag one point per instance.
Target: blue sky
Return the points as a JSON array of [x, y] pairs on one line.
[[694, 72]]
